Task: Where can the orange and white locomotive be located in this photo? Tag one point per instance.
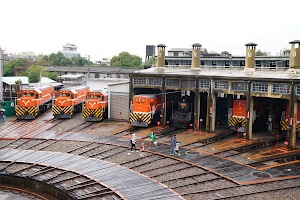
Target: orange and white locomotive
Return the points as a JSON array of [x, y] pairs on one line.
[[33, 101], [69, 101], [95, 107], [145, 110]]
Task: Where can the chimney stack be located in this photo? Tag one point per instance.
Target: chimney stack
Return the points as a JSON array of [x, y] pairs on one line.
[[295, 55], [196, 56], [250, 55], [161, 55]]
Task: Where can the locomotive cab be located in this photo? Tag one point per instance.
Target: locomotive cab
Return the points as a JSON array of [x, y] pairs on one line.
[[95, 107], [145, 110], [33, 101]]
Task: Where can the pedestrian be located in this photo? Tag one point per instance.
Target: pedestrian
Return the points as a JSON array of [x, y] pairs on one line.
[[173, 145], [177, 149], [1, 115], [153, 140], [133, 142], [142, 150]]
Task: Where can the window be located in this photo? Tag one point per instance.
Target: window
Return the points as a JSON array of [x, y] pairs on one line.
[[259, 87], [172, 82], [139, 81], [155, 81], [175, 53], [204, 83], [281, 89], [298, 90], [221, 85], [188, 83], [239, 86]]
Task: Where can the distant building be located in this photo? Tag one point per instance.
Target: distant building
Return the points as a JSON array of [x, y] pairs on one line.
[[105, 61], [28, 54], [70, 50]]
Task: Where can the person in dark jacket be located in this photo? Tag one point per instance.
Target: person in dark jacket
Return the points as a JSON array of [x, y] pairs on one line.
[[173, 145]]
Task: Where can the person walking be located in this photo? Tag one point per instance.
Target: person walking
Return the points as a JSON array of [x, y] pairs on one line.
[[1, 115], [153, 140], [177, 149], [142, 150], [133, 142], [173, 145]]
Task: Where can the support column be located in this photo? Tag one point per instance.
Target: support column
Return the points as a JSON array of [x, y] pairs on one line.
[[213, 115], [164, 103], [208, 113], [293, 135], [197, 107], [293, 109], [249, 117], [249, 112], [131, 95]]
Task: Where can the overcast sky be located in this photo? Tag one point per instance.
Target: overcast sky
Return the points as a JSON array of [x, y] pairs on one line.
[[104, 28]]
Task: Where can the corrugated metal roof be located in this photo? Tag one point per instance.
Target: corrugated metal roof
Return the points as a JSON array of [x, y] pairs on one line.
[[11, 80], [223, 73], [71, 76]]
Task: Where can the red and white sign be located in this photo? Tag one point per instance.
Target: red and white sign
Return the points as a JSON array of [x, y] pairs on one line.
[[248, 114], [201, 120], [291, 121], [286, 143], [163, 105], [120, 113], [210, 110], [244, 134]]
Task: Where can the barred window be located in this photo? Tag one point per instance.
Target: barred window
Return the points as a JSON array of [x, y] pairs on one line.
[[188, 83], [172, 82], [239, 86], [221, 85], [297, 90], [139, 81], [204, 83], [281, 89], [259, 87], [155, 81]]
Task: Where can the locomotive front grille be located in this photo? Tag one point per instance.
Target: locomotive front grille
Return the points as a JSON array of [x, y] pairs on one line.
[[86, 112], [56, 110], [143, 117], [285, 125], [237, 121], [21, 111]]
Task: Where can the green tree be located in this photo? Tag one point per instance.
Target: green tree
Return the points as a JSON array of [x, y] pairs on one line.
[[261, 53], [33, 73], [58, 59], [149, 62], [126, 60], [18, 85], [52, 75], [8, 67], [80, 61]]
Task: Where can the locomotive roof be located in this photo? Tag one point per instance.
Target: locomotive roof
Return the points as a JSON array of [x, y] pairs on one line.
[[147, 95], [38, 89], [263, 75], [103, 92], [74, 89]]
